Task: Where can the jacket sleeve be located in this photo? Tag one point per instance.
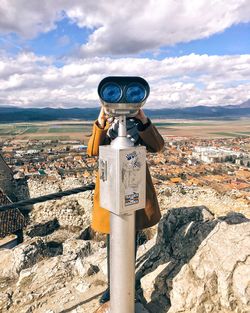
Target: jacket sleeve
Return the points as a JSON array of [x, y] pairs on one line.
[[98, 137], [152, 139]]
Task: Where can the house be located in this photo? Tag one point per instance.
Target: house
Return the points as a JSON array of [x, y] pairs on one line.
[[12, 223]]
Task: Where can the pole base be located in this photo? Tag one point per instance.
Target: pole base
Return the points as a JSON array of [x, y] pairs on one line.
[[105, 308]]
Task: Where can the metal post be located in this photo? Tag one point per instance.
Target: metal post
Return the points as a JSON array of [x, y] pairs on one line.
[[122, 255], [122, 170], [122, 126], [122, 261]]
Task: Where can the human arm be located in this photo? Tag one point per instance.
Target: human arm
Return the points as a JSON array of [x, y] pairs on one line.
[[149, 133], [99, 134]]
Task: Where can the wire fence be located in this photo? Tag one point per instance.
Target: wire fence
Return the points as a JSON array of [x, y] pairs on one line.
[[52, 196]]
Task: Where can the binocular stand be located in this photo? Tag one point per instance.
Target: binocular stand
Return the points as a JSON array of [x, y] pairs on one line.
[[122, 169]]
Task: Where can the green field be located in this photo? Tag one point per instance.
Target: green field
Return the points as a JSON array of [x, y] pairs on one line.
[[162, 124], [82, 129], [63, 129], [16, 129], [31, 130], [242, 134], [5, 131]]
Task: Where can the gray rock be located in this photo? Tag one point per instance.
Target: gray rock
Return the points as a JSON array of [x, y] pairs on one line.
[[5, 300], [74, 248], [82, 287], [148, 282], [42, 229], [195, 264], [198, 265], [217, 278], [93, 269], [85, 269], [139, 308], [21, 257]]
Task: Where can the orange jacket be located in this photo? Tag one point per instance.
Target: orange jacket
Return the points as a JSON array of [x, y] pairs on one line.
[[144, 218]]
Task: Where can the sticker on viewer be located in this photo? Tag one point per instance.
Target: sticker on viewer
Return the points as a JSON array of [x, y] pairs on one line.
[[131, 199]]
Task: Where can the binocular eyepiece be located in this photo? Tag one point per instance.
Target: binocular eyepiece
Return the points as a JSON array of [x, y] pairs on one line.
[[123, 95]]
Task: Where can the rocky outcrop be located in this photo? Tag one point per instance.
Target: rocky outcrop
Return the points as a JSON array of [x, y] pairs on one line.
[[34, 280], [22, 257], [219, 203], [217, 278], [195, 263], [42, 229], [72, 212], [198, 264]]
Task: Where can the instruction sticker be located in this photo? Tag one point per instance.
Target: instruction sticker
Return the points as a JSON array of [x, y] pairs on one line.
[[131, 199], [133, 160]]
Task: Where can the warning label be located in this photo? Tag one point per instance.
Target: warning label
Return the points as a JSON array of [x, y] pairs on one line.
[[133, 198]]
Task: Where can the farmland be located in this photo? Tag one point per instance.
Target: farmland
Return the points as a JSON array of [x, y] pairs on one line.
[[82, 129]]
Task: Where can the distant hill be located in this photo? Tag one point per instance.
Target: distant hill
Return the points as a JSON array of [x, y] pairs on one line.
[[244, 105], [16, 114]]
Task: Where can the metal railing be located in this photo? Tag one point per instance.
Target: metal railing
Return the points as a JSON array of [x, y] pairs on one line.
[[52, 196]]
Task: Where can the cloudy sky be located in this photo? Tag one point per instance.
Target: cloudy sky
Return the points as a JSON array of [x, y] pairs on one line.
[[192, 52]]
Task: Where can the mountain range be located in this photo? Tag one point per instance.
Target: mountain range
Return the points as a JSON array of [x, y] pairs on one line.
[[12, 114]]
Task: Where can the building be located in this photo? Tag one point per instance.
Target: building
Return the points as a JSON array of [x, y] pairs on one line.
[[12, 222], [213, 154]]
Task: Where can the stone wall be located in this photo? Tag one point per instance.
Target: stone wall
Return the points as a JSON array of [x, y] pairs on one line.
[[71, 211], [6, 180]]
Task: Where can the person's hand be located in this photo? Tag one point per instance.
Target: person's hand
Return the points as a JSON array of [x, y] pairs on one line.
[[141, 116], [102, 118]]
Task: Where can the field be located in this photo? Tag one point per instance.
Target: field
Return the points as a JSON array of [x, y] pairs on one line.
[[47, 130], [82, 129], [206, 128]]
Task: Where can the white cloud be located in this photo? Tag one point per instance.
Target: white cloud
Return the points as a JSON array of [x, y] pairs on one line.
[[32, 81], [125, 27], [149, 25], [27, 18]]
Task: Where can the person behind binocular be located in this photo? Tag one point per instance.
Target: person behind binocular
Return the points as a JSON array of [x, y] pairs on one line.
[[141, 131]]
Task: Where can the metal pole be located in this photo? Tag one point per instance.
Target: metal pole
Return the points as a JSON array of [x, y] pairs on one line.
[[122, 261], [122, 130], [122, 247]]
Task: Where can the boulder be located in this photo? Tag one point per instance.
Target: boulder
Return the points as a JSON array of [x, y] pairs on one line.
[[217, 278], [74, 248], [21, 257], [42, 229], [199, 264], [25, 255]]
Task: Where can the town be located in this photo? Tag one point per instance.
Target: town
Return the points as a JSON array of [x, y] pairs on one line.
[[187, 161], [222, 164]]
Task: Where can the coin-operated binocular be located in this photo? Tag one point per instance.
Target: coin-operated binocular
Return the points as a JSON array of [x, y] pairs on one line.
[[122, 166], [123, 95], [122, 169]]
